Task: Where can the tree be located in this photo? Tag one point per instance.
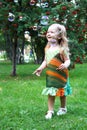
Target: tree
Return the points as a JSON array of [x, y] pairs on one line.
[[18, 16]]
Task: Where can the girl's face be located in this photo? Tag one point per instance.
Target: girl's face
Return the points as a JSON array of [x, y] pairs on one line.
[[52, 34]]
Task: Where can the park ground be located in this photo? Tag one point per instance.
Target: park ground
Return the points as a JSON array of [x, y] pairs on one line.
[[22, 107]]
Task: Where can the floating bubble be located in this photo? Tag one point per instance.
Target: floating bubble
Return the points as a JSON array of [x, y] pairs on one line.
[[11, 17]]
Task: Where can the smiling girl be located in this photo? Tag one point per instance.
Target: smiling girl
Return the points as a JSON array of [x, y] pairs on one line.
[[57, 62]]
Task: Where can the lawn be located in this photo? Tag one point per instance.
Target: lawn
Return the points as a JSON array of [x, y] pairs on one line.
[[22, 107]]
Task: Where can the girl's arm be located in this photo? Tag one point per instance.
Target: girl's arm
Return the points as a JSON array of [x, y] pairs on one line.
[[43, 65], [66, 62], [64, 65], [39, 70]]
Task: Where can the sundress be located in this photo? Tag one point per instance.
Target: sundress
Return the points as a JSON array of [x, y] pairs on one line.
[[57, 81]]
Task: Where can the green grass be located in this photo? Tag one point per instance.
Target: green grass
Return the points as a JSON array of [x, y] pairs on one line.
[[22, 107]]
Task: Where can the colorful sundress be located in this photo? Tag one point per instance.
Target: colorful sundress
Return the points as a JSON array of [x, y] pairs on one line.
[[57, 81]]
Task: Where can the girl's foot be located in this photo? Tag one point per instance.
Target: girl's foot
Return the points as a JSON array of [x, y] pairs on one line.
[[49, 114], [62, 111]]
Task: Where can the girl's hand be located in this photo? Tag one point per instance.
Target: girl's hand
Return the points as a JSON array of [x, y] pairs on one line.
[[61, 67], [64, 65], [37, 72]]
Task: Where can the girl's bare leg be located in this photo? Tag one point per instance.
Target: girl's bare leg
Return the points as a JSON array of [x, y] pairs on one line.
[[63, 109], [63, 101], [51, 100]]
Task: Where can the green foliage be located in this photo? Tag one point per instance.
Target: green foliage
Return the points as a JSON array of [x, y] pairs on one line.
[[2, 42], [72, 15], [77, 52], [22, 107]]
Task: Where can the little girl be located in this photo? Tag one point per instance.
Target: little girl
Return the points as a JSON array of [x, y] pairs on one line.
[[57, 61]]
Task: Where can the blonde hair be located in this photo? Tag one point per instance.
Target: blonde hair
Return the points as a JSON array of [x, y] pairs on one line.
[[62, 38]]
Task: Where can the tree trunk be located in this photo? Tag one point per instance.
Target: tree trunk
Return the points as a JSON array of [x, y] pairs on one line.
[[8, 45], [14, 56], [22, 51]]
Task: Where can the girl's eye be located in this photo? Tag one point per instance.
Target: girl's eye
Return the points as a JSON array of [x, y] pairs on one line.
[[50, 32]]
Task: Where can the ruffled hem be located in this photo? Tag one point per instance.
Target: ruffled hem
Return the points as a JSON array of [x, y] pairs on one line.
[[67, 90], [50, 91]]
